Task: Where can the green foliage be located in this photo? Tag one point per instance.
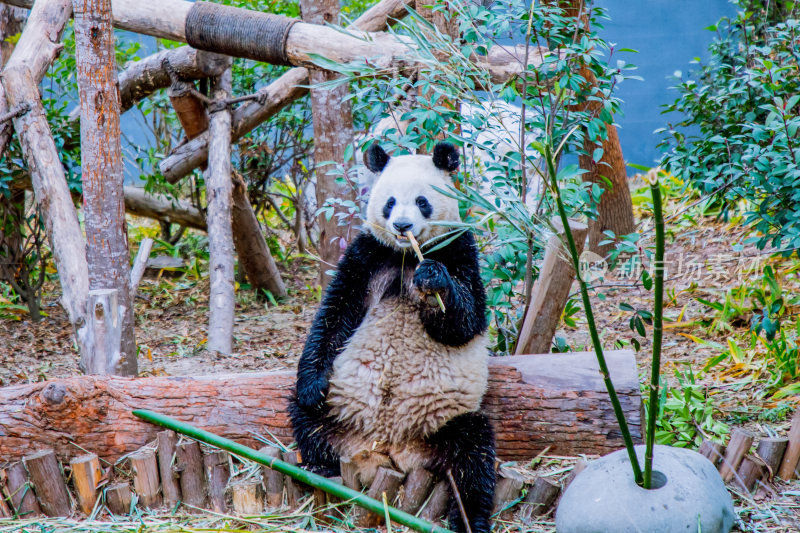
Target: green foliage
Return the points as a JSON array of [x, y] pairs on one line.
[[738, 138], [685, 413]]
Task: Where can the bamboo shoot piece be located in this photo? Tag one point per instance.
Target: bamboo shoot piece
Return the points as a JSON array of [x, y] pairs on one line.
[[415, 245]]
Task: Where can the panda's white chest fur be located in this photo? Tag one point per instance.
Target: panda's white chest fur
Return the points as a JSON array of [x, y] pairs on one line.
[[393, 383]]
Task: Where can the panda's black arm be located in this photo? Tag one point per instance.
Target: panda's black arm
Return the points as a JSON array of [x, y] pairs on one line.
[[454, 271], [342, 309]]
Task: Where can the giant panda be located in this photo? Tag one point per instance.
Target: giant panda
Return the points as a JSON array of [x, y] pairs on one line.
[[383, 368]]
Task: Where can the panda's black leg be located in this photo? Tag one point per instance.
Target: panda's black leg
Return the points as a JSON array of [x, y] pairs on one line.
[[465, 447], [312, 432]]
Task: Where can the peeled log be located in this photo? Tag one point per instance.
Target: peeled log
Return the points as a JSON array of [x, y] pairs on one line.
[[533, 401]]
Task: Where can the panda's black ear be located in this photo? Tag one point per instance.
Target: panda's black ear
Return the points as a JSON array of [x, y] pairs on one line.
[[376, 158], [445, 157]]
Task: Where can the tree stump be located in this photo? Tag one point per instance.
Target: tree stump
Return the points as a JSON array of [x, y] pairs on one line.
[[508, 488], [771, 451], [20, 490], [190, 466], [145, 478], [750, 471], [217, 474], [713, 451], [86, 473], [791, 457], [386, 482], [416, 488], [170, 487], [248, 497], [437, 503], [273, 480], [540, 498], [293, 488], [48, 481], [118, 498], [738, 447]]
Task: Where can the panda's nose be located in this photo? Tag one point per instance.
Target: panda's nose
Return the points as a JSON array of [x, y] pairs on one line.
[[402, 226]]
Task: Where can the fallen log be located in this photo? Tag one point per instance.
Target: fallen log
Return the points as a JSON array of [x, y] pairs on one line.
[[534, 401]]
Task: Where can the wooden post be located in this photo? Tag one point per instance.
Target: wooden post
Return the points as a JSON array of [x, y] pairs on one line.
[[102, 176], [349, 472], [738, 447], [771, 450], [579, 467], [387, 481], [37, 47], [248, 497], [293, 490], [48, 482], [791, 459], [540, 498], [251, 248], [170, 487], [217, 474], [712, 450], [86, 473], [5, 507], [508, 488], [273, 480], [190, 466], [416, 488], [145, 477], [333, 133], [750, 471], [20, 490], [220, 234], [437, 503], [118, 498], [551, 291]]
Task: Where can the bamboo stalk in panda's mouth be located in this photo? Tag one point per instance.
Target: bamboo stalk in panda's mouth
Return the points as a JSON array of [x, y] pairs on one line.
[[415, 246]]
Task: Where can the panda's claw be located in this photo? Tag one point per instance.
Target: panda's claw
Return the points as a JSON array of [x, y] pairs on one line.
[[432, 277]]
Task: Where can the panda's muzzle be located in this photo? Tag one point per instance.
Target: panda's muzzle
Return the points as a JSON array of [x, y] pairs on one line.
[[402, 226]]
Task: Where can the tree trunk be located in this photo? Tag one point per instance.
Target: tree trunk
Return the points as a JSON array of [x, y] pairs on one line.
[[533, 401], [333, 133], [219, 191], [615, 212], [11, 21], [101, 165], [35, 50], [255, 258]]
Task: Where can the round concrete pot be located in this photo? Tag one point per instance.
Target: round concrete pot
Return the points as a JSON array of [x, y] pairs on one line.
[[604, 498]]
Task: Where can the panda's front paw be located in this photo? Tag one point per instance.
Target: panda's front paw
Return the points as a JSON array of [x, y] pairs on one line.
[[432, 277], [311, 393]]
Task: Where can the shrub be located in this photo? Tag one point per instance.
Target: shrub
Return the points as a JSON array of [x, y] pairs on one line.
[[739, 135]]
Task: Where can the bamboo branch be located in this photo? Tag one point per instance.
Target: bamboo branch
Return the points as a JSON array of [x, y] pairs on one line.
[[304, 476], [415, 246]]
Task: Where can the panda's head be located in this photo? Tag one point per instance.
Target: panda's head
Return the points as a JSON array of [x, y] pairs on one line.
[[404, 197]]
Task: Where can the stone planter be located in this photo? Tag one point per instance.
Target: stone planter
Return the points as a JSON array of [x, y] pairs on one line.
[[605, 499]]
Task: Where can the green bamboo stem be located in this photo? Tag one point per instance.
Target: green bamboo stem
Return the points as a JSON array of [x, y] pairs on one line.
[[297, 473], [658, 274], [587, 306]]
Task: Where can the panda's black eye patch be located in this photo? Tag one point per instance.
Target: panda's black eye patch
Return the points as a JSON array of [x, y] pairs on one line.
[[425, 206], [387, 209]]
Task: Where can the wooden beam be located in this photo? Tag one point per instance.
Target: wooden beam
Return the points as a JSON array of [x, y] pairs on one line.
[[533, 401], [551, 291]]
